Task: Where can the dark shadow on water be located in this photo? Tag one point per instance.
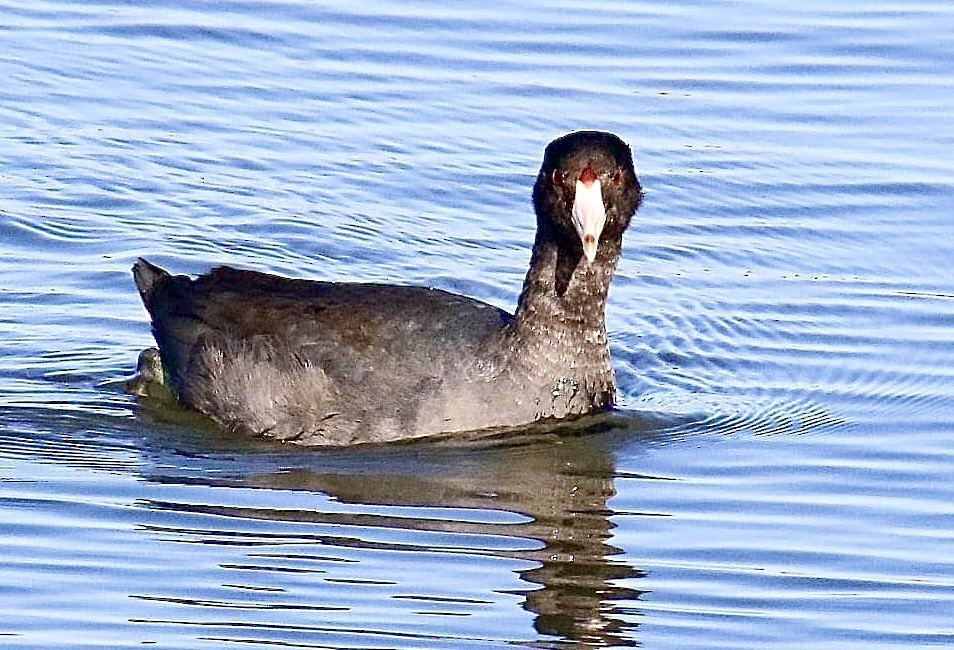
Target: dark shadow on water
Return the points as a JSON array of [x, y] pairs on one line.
[[559, 480], [561, 484]]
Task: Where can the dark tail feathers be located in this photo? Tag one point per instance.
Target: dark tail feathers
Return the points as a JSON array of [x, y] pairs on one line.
[[147, 276]]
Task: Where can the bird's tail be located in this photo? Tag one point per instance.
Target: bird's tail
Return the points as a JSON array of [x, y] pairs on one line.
[[147, 276]]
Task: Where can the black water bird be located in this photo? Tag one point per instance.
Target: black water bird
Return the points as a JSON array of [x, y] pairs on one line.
[[323, 363]]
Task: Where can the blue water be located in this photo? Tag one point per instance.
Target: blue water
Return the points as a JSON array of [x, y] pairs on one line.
[[781, 323]]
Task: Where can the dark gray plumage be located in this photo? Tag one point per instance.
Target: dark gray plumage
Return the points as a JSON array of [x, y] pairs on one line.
[[322, 363]]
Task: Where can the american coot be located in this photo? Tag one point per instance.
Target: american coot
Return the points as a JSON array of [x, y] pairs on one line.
[[322, 363]]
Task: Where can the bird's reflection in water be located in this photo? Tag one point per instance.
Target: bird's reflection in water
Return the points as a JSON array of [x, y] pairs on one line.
[[561, 484]]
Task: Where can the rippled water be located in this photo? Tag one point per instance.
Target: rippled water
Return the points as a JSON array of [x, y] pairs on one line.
[[782, 472]]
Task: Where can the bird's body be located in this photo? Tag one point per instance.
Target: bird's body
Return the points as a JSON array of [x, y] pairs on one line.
[[324, 363]]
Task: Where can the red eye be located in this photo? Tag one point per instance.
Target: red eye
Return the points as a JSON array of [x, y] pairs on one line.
[[618, 177], [558, 178]]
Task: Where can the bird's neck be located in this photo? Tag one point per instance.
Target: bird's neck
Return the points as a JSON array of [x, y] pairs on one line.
[[561, 311]]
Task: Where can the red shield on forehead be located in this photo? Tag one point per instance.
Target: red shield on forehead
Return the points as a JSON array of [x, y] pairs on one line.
[[588, 175]]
